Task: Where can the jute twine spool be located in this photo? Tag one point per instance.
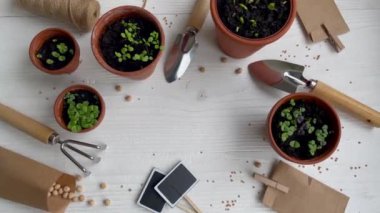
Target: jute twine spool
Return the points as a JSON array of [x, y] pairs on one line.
[[82, 13]]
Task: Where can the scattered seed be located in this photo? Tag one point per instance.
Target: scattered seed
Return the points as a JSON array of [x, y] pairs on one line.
[[107, 202], [238, 71], [129, 190], [74, 199], [65, 195], [103, 185], [91, 202], [223, 59], [51, 189], [79, 189], [318, 56], [60, 191], [118, 88], [57, 186], [66, 189], [202, 69], [71, 195], [257, 164], [81, 198], [128, 98]]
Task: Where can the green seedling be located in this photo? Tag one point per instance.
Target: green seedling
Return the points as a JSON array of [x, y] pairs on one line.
[[49, 61], [272, 6], [243, 6], [131, 35], [82, 115], [62, 47], [294, 119]]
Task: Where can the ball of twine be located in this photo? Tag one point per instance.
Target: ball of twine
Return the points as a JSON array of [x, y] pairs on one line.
[[82, 13]]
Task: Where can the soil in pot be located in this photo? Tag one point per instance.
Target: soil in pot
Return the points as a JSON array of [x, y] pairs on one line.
[[254, 18], [130, 44], [81, 110], [301, 129], [56, 53]]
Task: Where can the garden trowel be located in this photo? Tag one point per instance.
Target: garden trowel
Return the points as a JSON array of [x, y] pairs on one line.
[[288, 77], [183, 49]]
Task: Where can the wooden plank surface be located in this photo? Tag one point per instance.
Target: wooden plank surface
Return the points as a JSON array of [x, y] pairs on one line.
[[213, 121]]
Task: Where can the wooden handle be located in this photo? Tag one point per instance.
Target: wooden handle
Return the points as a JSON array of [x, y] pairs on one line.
[[199, 14], [192, 204], [25, 124], [333, 96]]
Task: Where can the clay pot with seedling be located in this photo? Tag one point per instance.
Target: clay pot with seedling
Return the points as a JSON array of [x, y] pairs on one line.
[[128, 41], [79, 108], [303, 129], [54, 51], [245, 26]]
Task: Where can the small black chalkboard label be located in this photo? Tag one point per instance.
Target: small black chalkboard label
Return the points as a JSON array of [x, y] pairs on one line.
[[149, 198]]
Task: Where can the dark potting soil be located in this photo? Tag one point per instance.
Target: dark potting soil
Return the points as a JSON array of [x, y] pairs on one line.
[[80, 97], [312, 110], [254, 18], [51, 60], [112, 42]]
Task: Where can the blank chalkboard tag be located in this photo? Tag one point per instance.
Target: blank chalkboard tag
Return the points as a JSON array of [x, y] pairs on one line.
[[176, 184], [149, 198]]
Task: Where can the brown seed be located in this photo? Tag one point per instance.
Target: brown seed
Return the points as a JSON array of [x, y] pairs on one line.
[[79, 189], [71, 195], [107, 202], [223, 59], [55, 192], [57, 186], [202, 69], [118, 88], [81, 198], [238, 70], [51, 189], [65, 195], [257, 164], [128, 98], [74, 199], [66, 189], [60, 191], [103, 185]]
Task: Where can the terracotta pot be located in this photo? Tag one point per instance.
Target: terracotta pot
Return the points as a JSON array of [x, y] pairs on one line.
[[237, 46], [41, 38], [333, 122], [58, 106], [109, 18]]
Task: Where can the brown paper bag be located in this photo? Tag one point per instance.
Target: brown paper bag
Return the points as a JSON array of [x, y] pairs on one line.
[[305, 193], [322, 20], [26, 181]]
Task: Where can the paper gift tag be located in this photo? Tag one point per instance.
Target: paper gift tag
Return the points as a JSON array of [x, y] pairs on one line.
[[322, 20], [305, 193]]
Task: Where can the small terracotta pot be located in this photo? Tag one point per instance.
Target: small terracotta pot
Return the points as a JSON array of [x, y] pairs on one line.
[[58, 106], [109, 18], [41, 38], [237, 46], [334, 122]]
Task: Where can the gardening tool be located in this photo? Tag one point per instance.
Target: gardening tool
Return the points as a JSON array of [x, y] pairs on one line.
[[183, 49], [287, 77], [47, 135]]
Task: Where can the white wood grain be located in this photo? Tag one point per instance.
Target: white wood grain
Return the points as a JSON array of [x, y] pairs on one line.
[[203, 119]]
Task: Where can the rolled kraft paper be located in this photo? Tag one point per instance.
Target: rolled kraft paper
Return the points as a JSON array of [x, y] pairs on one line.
[[82, 13], [26, 181]]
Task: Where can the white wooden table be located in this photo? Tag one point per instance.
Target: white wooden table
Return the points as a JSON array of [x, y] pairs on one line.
[[213, 121]]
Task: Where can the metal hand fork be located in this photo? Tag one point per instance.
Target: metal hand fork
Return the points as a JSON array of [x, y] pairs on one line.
[[47, 135]]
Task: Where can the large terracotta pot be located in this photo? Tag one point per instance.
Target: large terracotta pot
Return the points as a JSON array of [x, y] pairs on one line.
[[58, 106], [237, 46], [109, 18], [41, 38], [334, 123]]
